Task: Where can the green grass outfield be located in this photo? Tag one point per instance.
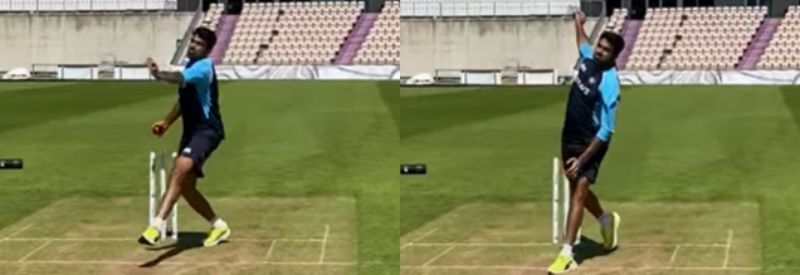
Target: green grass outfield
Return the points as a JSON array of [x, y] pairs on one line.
[[328, 152], [315, 149], [674, 145]]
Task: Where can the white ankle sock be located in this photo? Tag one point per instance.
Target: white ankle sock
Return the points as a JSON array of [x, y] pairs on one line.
[[218, 223], [566, 250], [158, 223], [605, 219]]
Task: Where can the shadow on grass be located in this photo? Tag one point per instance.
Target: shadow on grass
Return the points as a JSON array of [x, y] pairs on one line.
[[589, 249], [186, 241]]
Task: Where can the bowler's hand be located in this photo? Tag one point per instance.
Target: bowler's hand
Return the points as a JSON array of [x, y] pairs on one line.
[[152, 66], [573, 165], [579, 17], [160, 127]]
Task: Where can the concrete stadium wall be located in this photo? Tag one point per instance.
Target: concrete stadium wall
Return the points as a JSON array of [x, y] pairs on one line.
[[487, 43], [62, 38]]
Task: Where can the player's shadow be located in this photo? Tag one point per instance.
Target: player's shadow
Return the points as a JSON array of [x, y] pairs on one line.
[[186, 241], [588, 249]]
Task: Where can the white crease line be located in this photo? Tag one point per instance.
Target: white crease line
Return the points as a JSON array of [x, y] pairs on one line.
[[123, 239], [438, 256], [698, 245], [551, 244], [674, 255], [481, 244], [728, 248], [412, 242], [324, 242], [269, 252], [17, 232], [182, 263], [33, 252], [289, 240], [539, 268]]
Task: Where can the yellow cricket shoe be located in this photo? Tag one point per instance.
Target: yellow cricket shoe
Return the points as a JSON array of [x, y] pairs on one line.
[[561, 265], [150, 236], [217, 235], [610, 232]]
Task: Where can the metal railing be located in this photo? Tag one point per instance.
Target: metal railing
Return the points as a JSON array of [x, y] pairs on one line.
[[90, 72], [486, 8], [85, 5]]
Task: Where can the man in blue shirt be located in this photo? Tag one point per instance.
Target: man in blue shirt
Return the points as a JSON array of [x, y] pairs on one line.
[[198, 106], [588, 127]]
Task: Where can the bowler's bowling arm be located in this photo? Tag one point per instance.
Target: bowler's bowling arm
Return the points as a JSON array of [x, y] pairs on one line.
[[580, 34], [173, 114], [170, 77]]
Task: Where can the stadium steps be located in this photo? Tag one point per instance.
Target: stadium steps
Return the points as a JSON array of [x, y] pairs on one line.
[[356, 38], [630, 32], [759, 43], [225, 30]]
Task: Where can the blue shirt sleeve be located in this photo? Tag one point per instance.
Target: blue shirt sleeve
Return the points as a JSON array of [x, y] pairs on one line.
[[609, 95], [198, 73], [585, 50]]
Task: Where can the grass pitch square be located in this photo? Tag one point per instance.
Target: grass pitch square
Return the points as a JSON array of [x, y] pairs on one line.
[[497, 256], [629, 256], [86, 251], [702, 256], [294, 270], [15, 250], [474, 237], [296, 252], [419, 255], [269, 236]]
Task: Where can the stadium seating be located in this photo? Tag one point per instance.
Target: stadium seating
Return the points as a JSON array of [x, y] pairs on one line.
[[300, 33], [783, 52], [383, 42], [310, 34], [444, 8], [615, 21], [695, 38], [211, 18]]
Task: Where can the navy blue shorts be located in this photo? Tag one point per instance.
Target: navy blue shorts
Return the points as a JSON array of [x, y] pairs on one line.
[[198, 146], [591, 168]]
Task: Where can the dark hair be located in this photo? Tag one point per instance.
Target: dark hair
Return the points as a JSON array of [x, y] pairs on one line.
[[208, 36], [616, 41]]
